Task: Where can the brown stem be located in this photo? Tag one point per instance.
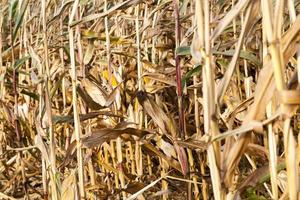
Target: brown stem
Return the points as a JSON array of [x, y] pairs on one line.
[[178, 71]]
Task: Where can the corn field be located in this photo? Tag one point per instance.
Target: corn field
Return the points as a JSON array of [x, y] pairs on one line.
[[150, 99]]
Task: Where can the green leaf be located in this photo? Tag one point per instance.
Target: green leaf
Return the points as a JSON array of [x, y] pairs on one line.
[[243, 54], [183, 51], [20, 62], [20, 18], [33, 95], [251, 194], [67, 51], [196, 70], [12, 8], [266, 177], [83, 2], [56, 85], [186, 50]]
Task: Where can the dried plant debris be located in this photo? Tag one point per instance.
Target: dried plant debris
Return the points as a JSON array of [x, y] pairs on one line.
[[149, 99]]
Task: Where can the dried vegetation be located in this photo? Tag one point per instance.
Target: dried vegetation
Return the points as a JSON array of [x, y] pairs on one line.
[[149, 99]]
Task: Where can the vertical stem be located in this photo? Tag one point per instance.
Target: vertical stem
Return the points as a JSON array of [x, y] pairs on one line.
[[120, 164], [107, 43], [293, 18], [76, 115], [113, 157], [139, 64], [2, 68], [77, 125], [178, 70], [16, 114], [153, 53], [273, 25], [272, 155], [164, 183], [44, 178], [194, 178], [48, 104], [210, 126], [15, 83], [291, 139], [200, 41], [61, 54], [138, 150]]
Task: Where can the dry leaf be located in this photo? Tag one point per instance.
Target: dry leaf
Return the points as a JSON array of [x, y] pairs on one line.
[[69, 187], [97, 93]]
